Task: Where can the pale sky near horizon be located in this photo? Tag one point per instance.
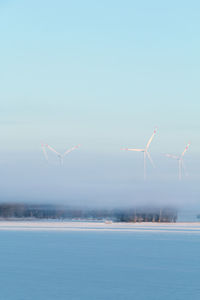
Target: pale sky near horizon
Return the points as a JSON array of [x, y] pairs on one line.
[[102, 74]]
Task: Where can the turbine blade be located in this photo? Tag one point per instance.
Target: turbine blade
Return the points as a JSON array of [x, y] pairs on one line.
[[70, 150], [45, 152], [151, 160], [186, 148], [184, 169], [151, 138], [52, 149]]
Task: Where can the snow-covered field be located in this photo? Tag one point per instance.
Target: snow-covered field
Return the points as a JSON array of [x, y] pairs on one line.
[[98, 226], [98, 261]]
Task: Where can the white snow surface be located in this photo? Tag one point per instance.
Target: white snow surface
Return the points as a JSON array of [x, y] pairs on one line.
[[98, 226]]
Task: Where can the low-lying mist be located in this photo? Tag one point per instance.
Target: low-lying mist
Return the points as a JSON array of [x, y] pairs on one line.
[[101, 180]]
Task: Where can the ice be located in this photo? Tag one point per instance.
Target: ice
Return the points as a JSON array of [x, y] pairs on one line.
[[99, 261]]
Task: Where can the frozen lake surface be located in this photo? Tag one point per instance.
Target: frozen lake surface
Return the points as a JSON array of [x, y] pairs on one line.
[[97, 261]]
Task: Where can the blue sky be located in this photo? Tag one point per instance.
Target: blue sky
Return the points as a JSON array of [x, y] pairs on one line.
[[102, 74]]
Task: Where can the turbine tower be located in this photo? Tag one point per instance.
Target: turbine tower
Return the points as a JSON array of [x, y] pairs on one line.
[[60, 156], [180, 161], [145, 151]]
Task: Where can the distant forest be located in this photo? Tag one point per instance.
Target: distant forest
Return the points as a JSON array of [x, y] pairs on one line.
[[41, 211]]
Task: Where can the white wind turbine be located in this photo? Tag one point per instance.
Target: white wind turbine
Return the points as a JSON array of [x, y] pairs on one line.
[[60, 156], [145, 151], [180, 161]]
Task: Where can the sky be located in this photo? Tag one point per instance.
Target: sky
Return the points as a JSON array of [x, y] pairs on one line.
[[101, 74]]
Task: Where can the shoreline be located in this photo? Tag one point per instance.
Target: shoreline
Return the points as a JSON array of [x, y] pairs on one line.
[[69, 226]]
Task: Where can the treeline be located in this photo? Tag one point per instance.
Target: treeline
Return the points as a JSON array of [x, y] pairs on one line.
[[39, 211]]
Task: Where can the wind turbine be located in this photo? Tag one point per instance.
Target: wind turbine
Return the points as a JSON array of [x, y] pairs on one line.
[[180, 161], [145, 151], [60, 156]]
